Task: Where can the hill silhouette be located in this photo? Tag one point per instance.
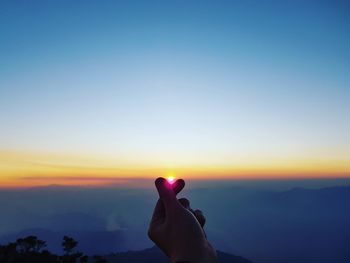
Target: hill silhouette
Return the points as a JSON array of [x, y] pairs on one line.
[[32, 249], [267, 226], [152, 255]]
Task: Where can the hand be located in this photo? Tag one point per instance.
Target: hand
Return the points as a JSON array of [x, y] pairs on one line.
[[178, 230]]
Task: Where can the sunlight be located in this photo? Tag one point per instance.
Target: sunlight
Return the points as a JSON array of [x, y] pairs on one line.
[[170, 178]]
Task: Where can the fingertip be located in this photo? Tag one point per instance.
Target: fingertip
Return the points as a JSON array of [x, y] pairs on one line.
[[165, 189], [178, 185], [180, 181], [200, 217], [198, 212], [185, 202], [159, 181]]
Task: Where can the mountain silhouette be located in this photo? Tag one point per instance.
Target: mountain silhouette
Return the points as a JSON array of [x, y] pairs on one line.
[[33, 249], [268, 226]]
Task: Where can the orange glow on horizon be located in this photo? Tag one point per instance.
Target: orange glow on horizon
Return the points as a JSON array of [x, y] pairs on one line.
[[26, 170]]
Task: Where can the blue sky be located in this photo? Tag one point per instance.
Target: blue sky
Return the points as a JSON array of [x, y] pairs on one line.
[[177, 82]]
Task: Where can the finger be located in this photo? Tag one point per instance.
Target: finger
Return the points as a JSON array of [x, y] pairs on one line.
[[159, 210], [157, 220], [166, 193], [184, 202], [200, 217], [197, 213], [158, 216], [178, 185]]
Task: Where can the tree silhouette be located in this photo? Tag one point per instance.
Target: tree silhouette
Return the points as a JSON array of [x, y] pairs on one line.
[[30, 250], [30, 244], [84, 259], [68, 245], [26, 250], [70, 256], [99, 259]]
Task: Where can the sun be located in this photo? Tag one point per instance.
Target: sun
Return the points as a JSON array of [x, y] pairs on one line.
[[170, 178]]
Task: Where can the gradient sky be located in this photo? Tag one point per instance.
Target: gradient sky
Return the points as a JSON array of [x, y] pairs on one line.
[[219, 87]]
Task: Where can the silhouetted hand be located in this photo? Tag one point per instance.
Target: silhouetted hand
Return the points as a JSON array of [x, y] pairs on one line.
[[177, 229]]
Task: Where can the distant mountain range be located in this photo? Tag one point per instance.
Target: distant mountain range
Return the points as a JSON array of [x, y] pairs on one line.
[[98, 242], [267, 226]]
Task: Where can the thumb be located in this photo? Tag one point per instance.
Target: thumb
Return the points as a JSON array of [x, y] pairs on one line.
[[166, 193], [178, 185]]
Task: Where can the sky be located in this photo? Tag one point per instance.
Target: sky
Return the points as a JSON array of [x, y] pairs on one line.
[[93, 91]]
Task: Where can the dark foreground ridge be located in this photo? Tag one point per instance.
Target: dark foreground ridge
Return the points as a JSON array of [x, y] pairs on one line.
[[31, 249], [152, 255]]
